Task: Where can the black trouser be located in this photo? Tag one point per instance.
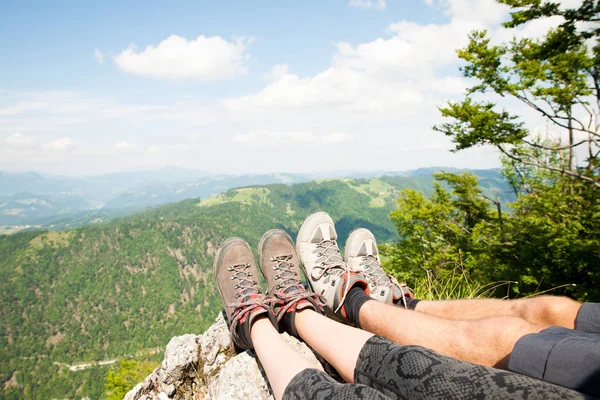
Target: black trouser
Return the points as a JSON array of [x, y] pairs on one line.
[[386, 370]]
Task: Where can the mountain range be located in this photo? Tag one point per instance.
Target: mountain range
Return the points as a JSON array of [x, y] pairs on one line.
[[35, 200], [123, 288]]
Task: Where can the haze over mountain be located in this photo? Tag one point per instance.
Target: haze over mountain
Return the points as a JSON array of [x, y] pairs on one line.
[[48, 201]]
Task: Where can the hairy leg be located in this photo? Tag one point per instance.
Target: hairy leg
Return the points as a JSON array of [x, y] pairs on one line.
[[547, 310], [280, 361], [487, 341], [339, 344]]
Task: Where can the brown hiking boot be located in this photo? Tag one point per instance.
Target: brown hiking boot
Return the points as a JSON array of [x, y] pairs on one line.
[[278, 262], [237, 281]]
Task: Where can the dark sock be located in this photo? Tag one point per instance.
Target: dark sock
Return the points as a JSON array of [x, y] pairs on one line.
[[355, 299], [410, 303]]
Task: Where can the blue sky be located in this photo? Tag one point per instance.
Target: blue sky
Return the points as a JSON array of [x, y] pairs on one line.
[[233, 86]]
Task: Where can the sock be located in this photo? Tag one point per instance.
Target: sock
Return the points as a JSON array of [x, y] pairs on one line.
[[355, 299], [410, 303]]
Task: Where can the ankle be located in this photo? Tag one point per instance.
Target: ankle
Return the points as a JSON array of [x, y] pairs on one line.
[[355, 299], [407, 302], [260, 325]]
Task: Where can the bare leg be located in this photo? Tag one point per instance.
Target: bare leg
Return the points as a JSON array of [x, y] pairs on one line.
[[280, 361], [547, 310], [487, 341], [337, 343]]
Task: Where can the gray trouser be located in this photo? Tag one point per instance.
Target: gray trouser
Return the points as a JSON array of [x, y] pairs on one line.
[[567, 357], [386, 370]]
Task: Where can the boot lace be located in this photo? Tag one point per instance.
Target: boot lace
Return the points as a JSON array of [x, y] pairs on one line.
[[290, 280], [383, 280], [248, 291], [373, 269], [332, 263]]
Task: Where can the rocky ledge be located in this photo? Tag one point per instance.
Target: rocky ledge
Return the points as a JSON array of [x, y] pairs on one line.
[[208, 367]]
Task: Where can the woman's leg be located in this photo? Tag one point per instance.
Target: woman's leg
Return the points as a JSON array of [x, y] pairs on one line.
[[293, 377], [280, 361], [339, 344]]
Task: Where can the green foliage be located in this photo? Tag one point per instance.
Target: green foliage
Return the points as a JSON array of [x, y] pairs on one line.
[[436, 233], [121, 380], [557, 76], [452, 243]]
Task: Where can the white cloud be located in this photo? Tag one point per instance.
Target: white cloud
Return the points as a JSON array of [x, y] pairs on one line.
[[98, 56], [205, 58], [379, 4], [266, 138], [277, 72], [475, 11], [337, 137], [124, 147], [153, 149], [18, 140], [59, 145]]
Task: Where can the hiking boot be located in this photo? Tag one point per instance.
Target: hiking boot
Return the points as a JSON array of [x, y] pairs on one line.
[[237, 281], [323, 264], [278, 262], [362, 256]]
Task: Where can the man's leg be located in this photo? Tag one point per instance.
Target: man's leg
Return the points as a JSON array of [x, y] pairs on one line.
[[412, 371], [545, 310], [488, 341]]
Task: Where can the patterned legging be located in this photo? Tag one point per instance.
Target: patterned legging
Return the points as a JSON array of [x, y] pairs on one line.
[[386, 370]]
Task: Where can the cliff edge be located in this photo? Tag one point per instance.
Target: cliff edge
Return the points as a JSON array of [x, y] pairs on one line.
[[207, 367]]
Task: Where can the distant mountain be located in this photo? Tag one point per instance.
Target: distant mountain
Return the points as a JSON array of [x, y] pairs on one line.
[[52, 201], [55, 202]]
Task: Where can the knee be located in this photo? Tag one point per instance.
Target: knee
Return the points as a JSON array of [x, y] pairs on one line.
[[543, 307], [506, 329]]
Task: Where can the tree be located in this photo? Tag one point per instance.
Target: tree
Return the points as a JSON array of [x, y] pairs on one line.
[[121, 380], [557, 76], [436, 233]]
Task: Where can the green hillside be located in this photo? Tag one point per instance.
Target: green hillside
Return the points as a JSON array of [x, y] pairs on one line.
[[109, 291]]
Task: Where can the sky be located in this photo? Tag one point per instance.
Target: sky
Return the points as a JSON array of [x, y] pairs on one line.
[[90, 87]]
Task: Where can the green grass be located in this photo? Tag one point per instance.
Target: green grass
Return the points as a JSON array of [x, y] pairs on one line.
[[250, 195]]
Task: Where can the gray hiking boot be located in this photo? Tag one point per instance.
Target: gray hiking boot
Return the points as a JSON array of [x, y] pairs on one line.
[[237, 281], [361, 255], [323, 264], [279, 264]]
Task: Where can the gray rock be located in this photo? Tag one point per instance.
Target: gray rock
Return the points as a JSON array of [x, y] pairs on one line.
[[171, 390], [207, 367]]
